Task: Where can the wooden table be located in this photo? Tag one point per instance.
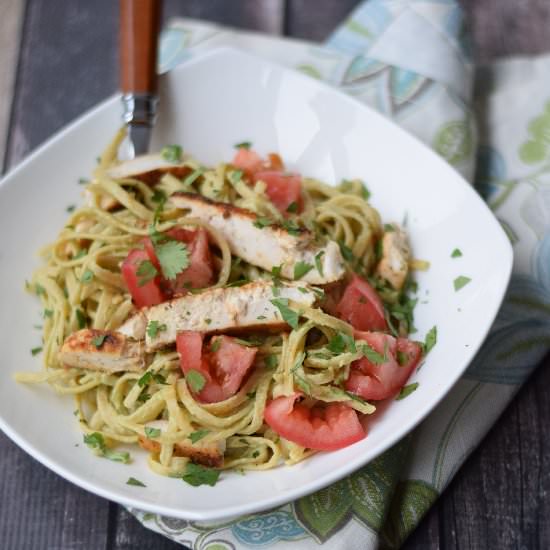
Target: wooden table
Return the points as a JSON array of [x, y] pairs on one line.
[[57, 59]]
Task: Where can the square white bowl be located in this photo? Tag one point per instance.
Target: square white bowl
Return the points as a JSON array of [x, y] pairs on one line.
[[208, 104]]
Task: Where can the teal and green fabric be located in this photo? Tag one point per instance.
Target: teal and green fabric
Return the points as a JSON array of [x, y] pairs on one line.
[[410, 60]]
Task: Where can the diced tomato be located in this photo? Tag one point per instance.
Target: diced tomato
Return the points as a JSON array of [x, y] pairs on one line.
[[248, 161], [372, 381], [223, 369], [148, 294], [282, 189], [200, 272], [361, 306], [327, 428]]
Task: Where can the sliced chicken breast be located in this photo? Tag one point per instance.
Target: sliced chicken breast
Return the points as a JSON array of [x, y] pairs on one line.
[[266, 246], [102, 350], [396, 253], [217, 310], [148, 168]]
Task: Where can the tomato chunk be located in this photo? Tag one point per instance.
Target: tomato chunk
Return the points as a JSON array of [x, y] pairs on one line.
[[322, 428], [282, 189], [361, 306], [248, 161], [224, 365], [148, 294], [380, 381]]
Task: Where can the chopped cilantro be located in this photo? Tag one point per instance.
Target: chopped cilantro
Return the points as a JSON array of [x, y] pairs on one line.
[[146, 272], [236, 175], [151, 432], [193, 177], [372, 355], [248, 343], [319, 262], [199, 475], [461, 282], [457, 253], [255, 454], [80, 254], [48, 313], [149, 376], [431, 340], [291, 227], [87, 277], [215, 344], [159, 196], [96, 442], [172, 153], [154, 327], [144, 397], [346, 252], [406, 391], [195, 380], [173, 258], [301, 269], [36, 351], [290, 316], [262, 222], [243, 145], [98, 340], [292, 208], [302, 384], [276, 271], [39, 289], [402, 358], [378, 249], [342, 342], [198, 435], [271, 361], [135, 482]]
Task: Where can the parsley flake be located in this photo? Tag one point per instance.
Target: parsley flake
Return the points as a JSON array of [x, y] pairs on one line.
[[271, 361], [198, 435], [39, 289], [172, 153], [372, 355], [154, 327], [151, 432], [173, 258], [135, 482], [431, 340], [346, 252], [290, 316], [71, 208], [199, 475], [292, 208], [292, 228], [98, 340], [195, 380], [83, 181], [48, 313], [406, 391], [193, 177], [87, 277], [319, 262], [301, 269], [461, 282], [262, 222], [149, 377], [36, 351], [402, 358], [457, 253], [96, 442], [243, 145]]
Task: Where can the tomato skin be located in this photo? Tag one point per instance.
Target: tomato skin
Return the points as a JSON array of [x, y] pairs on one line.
[[224, 369], [361, 306], [248, 161], [149, 294], [377, 382], [282, 189], [321, 428]]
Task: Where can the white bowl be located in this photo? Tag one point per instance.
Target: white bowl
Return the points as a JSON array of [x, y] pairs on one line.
[[208, 104]]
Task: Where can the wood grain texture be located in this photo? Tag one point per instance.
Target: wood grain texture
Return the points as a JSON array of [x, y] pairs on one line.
[[499, 499]]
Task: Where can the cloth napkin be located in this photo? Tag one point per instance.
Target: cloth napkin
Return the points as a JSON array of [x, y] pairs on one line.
[[410, 60]]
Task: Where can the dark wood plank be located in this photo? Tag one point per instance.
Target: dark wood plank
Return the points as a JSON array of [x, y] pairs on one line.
[[508, 27], [303, 20]]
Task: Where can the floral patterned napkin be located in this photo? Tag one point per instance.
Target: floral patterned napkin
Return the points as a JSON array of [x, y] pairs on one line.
[[410, 60]]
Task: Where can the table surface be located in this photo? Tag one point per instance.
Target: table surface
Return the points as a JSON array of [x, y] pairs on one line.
[[57, 59]]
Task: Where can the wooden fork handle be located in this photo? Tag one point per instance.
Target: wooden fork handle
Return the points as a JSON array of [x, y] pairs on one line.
[[139, 32]]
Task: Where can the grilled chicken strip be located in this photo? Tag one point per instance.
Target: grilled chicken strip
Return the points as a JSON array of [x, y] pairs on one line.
[[268, 246], [396, 253], [217, 310], [103, 350], [148, 168]]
